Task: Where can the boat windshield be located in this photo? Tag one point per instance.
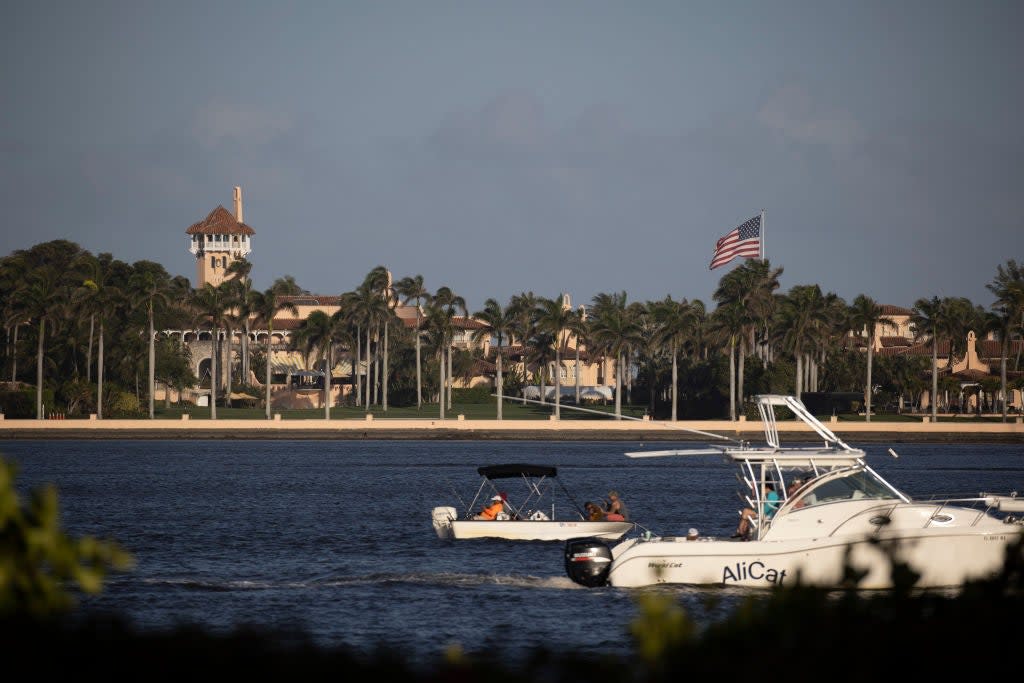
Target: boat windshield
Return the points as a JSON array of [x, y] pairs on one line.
[[856, 484]]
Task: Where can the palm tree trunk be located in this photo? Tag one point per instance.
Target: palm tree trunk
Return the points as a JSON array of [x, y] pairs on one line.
[[1002, 374], [14, 355], [384, 372], [440, 384], [501, 384], [355, 369], [213, 375], [558, 380], [270, 337], [799, 373], [739, 379], [245, 353], [227, 366], [99, 374], [419, 383], [152, 364], [675, 382], [88, 356], [327, 381], [367, 397], [732, 378], [868, 392], [935, 377], [449, 376], [39, 369], [577, 371], [618, 386]]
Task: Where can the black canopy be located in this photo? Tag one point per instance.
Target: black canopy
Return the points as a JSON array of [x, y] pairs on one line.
[[506, 471]]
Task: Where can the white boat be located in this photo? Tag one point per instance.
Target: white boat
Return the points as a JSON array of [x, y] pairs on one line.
[[843, 515], [537, 516]]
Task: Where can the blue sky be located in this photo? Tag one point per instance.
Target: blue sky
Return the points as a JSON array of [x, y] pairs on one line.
[[496, 148]]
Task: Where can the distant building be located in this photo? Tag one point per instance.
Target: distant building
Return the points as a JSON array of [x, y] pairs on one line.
[[223, 238], [218, 241]]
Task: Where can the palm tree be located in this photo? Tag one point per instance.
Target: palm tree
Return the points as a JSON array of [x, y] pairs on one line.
[[412, 289], [867, 315], [316, 334], [726, 326], [100, 297], [579, 329], [381, 277], [523, 307], [451, 303], [238, 271], [439, 331], [42, 297], [555, 317], [212, 305], [750, 288], [614, 331], [803, 311], [150, 287], [1008, 288], [926, 321], [498, 323], [369, 306], [265, 306], [676, 323]]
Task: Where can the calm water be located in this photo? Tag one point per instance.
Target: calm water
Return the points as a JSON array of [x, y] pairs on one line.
[[332, 539]]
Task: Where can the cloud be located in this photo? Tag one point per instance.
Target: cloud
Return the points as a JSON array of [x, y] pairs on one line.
[[795, 114], [219, 122]]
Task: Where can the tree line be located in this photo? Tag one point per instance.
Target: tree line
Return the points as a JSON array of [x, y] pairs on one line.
[[95, 328]]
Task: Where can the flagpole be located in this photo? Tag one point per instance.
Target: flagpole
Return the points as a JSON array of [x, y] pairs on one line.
[[762, 234]]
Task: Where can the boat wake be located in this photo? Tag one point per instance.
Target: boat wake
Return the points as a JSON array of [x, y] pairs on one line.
[[440, 580]]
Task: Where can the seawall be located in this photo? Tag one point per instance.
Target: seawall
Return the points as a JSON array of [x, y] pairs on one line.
[[966, 430]]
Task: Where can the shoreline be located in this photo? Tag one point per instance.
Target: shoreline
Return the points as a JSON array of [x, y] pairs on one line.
[[505, 430]]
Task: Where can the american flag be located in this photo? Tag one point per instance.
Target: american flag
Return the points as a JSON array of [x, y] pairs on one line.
[[743, 241]]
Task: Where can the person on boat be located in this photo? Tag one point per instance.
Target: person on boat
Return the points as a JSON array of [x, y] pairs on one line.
[[795, 486], [771, 504], [495, 506], [615, 510], [594, 511]]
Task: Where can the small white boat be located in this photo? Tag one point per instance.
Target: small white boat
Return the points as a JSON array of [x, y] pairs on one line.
[[841, 515], [537, 516]]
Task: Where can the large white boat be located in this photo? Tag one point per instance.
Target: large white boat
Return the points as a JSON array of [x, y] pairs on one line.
[[840, 516], [541, 513]]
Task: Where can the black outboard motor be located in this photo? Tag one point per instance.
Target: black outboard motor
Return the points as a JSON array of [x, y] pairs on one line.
[[587, 561]]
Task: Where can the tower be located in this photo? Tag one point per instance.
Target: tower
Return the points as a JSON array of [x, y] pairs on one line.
[[218, 241]]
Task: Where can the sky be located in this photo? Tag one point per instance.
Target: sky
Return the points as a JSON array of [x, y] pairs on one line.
[[503, 147]]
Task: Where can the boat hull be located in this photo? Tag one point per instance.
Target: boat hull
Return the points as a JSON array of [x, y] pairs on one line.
[[944, 558], [449, 528]]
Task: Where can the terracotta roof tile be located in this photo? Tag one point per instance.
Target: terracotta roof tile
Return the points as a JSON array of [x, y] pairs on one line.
[[889, 309], [219, 222], [894, 341], [312, 299]]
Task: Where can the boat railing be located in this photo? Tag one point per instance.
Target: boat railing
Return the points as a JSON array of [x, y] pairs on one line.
[[982, 505]]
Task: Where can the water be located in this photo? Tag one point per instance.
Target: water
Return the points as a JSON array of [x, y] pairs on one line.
[[332, 540]]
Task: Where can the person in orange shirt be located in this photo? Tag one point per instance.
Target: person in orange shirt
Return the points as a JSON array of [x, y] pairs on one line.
[[490, 512]]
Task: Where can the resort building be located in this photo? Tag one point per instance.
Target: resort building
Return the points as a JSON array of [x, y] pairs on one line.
[[223, 238]]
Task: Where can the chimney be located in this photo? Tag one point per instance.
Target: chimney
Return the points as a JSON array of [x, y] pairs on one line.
[[238, 204]]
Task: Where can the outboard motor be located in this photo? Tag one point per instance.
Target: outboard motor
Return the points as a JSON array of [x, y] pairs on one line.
[[587, 561]]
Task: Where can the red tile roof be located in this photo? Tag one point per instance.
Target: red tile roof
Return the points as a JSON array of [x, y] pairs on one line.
[[889, 309], [312, 299], [894, 341], [219, 222]]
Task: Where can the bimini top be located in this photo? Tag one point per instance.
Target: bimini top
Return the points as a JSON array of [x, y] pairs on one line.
[[507, 471]]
